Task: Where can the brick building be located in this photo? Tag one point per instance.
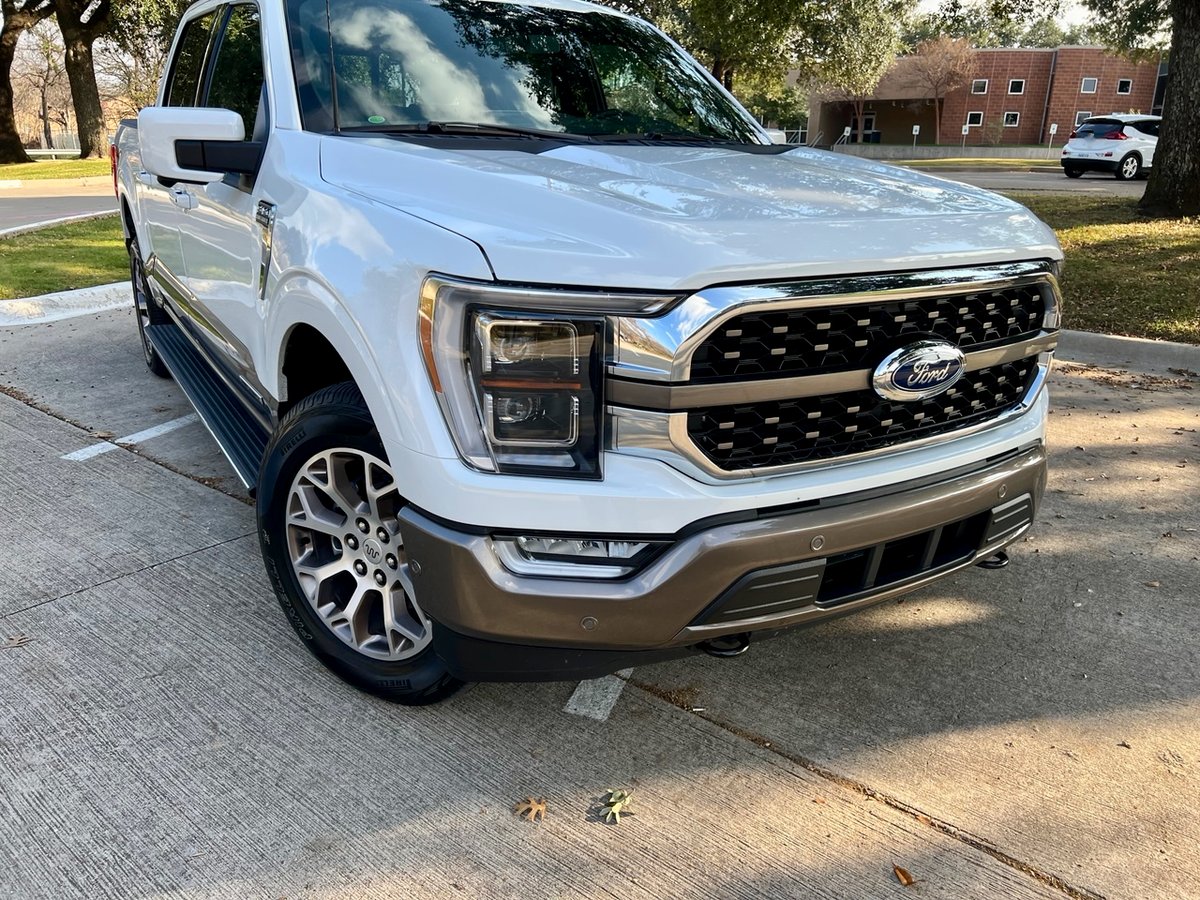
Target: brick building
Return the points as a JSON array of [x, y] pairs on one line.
[[1012, 97]]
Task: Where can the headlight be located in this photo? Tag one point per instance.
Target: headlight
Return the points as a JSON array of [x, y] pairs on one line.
[[519, 372]]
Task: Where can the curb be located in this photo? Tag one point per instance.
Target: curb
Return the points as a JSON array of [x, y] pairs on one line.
[[65, 304], [1138, 354], [50, 223]]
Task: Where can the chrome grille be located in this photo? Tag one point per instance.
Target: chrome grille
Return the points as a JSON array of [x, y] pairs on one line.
[[808, 340], [760, 435]]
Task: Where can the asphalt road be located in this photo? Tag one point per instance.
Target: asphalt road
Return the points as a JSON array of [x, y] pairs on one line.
[[39, 201], [1029, 732], [1051, 180]]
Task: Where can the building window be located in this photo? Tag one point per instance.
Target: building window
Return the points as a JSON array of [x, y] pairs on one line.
[[1016, 86], [975, 119], [1125, 86], [979, 86], [1081, 117], [1012, 119], [1088, 86]]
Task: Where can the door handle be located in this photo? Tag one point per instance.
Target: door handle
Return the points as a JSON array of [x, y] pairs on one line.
[[183, 198], [146, 178]]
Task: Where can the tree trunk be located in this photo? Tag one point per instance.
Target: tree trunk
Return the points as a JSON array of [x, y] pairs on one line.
[[1174, 188], [85, 95], [860, 108], [11, 149], [937, 120], [47, 137]]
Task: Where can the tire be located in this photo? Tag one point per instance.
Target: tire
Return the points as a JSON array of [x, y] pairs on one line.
[[1129, 167], [146, 309], [342, 579], [1071, 172]]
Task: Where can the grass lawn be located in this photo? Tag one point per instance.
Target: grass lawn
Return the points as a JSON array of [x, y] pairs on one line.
[[75, 255], [1126, 274], [55, 168]]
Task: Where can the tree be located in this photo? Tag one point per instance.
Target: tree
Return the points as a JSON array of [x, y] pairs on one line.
[[1142, 27], [40, 67], [132, 56], [19, 16], [81, 23], [752, 37], [940, 65], [858, 41]]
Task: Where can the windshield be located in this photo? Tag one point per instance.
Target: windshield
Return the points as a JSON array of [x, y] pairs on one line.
[[400, 64]]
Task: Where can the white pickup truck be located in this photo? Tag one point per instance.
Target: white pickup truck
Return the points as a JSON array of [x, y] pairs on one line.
[[543, 361]]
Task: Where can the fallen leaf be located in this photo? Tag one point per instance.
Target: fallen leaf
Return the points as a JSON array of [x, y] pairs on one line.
[[16, 640], [1153, 584], [1124, 744], [615, 803], [103, 435], [531, 810], [818, 799], [903, 875]]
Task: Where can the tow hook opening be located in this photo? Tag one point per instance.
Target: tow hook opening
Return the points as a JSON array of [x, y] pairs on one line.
[[997, 560], [727, 645]]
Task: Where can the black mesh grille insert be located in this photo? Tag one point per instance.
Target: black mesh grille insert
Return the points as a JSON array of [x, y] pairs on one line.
[[791, 431], [836, 337]]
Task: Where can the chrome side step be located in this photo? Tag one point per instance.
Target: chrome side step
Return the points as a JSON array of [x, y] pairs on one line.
[[239, 434]]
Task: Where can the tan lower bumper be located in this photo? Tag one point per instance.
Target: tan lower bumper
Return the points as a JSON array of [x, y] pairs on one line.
[[684, 596]]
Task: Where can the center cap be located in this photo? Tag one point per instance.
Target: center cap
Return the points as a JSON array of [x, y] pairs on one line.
[[918, 371], [372, 550]]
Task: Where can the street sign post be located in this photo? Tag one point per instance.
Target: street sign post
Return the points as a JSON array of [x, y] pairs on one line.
[[916, 131], [966, 129], [1050, 140]]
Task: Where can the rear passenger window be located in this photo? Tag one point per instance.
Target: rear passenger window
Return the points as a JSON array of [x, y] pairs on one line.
[[1149, 128], [237, 78], [189, 62]]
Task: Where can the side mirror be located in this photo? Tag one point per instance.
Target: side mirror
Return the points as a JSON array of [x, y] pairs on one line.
[[777, 135], [195, 144]]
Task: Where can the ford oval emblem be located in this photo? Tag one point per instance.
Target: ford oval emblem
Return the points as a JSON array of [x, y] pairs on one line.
[[918, 371]]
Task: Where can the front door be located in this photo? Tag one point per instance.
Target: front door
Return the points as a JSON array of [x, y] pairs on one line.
[[222, 243]]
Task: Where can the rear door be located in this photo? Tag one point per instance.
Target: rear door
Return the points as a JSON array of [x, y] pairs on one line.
[[223, 243], [1148, 139], [159, 204]]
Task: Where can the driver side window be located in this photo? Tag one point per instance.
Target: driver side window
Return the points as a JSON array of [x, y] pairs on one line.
[[237, 74]]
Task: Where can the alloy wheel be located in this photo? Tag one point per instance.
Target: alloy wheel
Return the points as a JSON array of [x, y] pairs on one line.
[[344, 542]]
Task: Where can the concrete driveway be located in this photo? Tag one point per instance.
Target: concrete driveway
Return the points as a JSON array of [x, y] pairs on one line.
[[1030, 732]]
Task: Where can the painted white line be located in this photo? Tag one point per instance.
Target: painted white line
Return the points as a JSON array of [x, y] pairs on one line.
[[136, 438], [65, 304], [49, 223], [596, 699]]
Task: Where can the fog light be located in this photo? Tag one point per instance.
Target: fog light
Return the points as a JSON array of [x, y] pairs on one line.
[[563, 557]]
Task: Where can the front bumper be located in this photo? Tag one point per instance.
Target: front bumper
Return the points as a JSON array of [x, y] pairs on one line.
[[767, 571]]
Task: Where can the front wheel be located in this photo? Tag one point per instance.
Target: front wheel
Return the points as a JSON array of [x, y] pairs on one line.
[[328, 523], [1129, 167]]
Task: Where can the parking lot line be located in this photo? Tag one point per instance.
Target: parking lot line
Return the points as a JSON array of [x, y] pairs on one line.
[[596, 698], [135, 438]]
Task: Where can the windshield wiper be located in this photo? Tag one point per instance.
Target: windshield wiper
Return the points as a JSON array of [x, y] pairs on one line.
[[681, 136], [482, 128]]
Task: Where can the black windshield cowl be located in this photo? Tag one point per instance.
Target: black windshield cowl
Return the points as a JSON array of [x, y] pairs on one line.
[[471, 128]]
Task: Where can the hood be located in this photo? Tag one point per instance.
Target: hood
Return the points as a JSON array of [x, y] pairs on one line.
[[666, 217]]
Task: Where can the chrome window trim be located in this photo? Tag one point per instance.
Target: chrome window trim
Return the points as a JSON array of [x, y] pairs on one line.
[[664, 436], [660, 348]]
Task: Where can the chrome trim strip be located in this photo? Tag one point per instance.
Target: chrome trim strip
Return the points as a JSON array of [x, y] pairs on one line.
[[657, 395], [664, 436], [660, 348]]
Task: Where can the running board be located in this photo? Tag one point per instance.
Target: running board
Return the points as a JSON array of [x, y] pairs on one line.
[[241, 437]]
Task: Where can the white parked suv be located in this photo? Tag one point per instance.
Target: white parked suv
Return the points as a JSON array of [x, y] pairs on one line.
[[1120, 144], [543, 361]]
